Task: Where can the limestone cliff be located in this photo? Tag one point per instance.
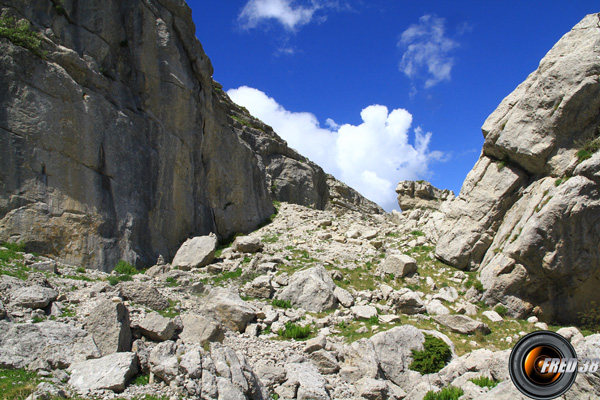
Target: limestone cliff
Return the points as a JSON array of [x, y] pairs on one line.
[[114, 143], [528, 215]]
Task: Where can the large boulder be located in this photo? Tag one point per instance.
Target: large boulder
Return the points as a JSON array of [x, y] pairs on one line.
[[33, 296], [462, 324], [156, 327], [200, 330], [108, 322], [44, 345], [398, 264], [110, 372], [528, 215], [143, 293], [196, 252], [312, 289], [228, 308]]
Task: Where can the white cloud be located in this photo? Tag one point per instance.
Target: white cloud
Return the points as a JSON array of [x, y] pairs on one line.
[[283, 11], [372, 157], [427, 51]]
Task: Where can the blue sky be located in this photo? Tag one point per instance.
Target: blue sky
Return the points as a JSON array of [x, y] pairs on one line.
[[380, 91]]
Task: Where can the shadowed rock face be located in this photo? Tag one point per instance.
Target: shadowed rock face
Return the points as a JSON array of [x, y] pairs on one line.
[[118, 144], [528, 214]]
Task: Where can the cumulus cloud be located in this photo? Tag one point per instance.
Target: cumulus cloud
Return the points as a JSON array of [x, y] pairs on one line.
[[427, 51], [371, 156], [285, 12]]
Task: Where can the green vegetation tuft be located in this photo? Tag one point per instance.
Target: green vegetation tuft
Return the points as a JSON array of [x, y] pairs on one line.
[[417, 233], [588, 149], [447, 393], [281, 303], [123, 267], [20, 34], [294, 331], [433, 358], [590, 318], [501, 310], [484, 381]]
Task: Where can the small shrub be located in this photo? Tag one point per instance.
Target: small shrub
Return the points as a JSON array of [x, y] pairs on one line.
[[80, 270], [558, 181], [417, 233], [479, 286], [112, 280], [374, 320], [433, 358], [123, 267], [500, 309], [20, 34], [294, 331], [281, 303], [141, 380], [447, 393], [484, 381], [590, 318]]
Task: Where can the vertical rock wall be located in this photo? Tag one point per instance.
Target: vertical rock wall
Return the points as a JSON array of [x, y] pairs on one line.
[[113, 145], [528, 215]]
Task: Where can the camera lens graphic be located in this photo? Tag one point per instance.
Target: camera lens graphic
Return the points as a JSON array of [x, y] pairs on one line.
[[527, 360]]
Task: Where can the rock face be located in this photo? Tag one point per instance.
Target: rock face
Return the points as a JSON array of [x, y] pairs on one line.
[[96, 166], [528, 216], [421, 194]]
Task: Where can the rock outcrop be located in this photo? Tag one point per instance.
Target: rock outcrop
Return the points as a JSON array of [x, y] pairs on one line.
[[421, 194], [528, 215], [115, 142]]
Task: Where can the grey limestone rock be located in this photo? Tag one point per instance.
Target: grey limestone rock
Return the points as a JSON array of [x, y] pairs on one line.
[[196, 252], [144, 294], [312, 289], [33, 296], [247, 244], [108, 322], [156, 327], [462, 324], [229, 309], [200, 330], [47, 344], [110, 372], [530, 230], [421, 194], [398, 264]]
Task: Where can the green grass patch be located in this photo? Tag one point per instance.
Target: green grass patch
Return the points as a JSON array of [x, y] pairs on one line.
[[501, 310], [433, 358], [172, 281], [20, 34], [123, 267], [447, 393], [295, 331], [17, 384], [273, 238], [484, 381], [417, 233], [281, 303], [225, 276], [170, 312]]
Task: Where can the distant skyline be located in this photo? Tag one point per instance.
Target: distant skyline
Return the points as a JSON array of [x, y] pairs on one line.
[[380, 91]]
